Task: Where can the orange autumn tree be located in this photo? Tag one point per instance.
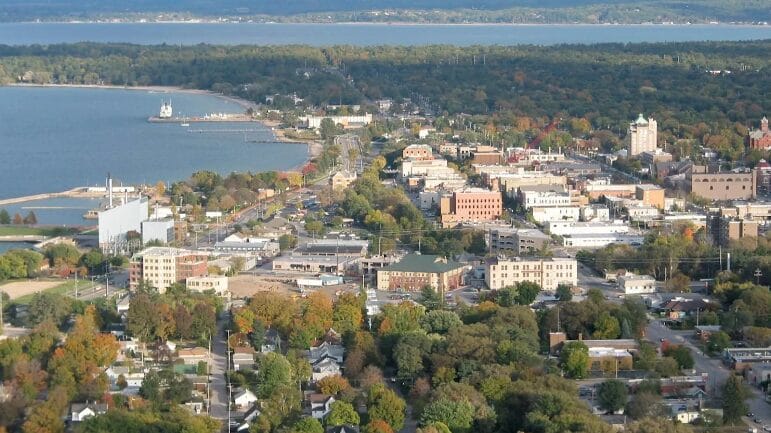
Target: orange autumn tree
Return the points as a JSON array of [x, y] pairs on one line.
[[78, 365]]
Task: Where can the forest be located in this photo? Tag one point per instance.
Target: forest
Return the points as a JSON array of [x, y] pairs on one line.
[[710, 92]]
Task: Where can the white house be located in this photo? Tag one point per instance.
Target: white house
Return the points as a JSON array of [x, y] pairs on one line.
[[82, 411], [321, 404], [244, 399], [324, 368], [632, 284]]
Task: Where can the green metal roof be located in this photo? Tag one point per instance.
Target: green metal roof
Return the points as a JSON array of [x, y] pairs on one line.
[[641, 120], [423, 263]]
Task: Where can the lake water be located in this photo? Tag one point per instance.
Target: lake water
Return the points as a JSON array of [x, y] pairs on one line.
[[367, 34], [54, 139]]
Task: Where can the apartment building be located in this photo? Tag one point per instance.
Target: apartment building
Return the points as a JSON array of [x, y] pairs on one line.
[[470, 205], [513, 241], [650, 195], [161, 267], [415, 271], [548, 273], [541, 214], [642, 136], [726, 228], [217, 283]]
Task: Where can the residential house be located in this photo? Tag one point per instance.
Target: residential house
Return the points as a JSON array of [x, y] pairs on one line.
[[679, 308], [632, 284], [244, 399], [243, 358], [342, 180], [320, 405], [324, 367], [326, 350], [81, 411], [193, 356]]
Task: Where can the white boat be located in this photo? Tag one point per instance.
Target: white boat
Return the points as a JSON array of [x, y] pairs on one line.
[[184, 124], [166, 110]]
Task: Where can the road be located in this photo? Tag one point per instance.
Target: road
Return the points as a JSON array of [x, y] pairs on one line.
[[717, 372], [218, 386]]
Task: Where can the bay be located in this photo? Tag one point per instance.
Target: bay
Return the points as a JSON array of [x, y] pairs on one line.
[[54, 139], [369, 34]]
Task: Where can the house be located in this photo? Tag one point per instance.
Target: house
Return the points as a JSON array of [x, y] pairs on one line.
[[705, 331], [679, 308], [342, 180], [320, 404], [193, 356], [243, 358], [114, 372], [244, 399], [326, 350], [415, 271], [324, 367], [82, 411], [632, 284], [122, 306], [333, 337], [248, 419]]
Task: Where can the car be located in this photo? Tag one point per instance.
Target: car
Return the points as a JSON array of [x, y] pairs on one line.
[[662, 339], [750, 414], [758, 421], [767, 428]]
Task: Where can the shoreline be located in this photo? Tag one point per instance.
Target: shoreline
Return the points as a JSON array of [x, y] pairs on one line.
[[400, 23], [314, 147]]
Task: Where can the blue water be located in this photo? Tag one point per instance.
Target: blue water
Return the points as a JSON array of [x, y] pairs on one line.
[[54, 139], [5, 246], [57, 211], [368, 34]]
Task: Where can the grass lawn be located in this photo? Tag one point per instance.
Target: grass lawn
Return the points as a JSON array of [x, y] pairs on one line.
[[9, 230], [65, 287]]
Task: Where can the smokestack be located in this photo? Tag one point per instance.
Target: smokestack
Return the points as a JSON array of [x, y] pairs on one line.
[[109, 189]]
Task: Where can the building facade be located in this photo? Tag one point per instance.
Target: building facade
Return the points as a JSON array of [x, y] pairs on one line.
[[547, 273], [418, 152], [116, 223], [218, 283], [415, 271], [161, 267], [342, 180], [642, 136], [470, 205], [721, 186], [760, 138], [513, 241]]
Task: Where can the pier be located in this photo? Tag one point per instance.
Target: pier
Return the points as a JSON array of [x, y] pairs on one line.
[[79, 192]]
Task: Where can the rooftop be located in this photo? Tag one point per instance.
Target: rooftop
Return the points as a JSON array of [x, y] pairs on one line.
[[423, 263]]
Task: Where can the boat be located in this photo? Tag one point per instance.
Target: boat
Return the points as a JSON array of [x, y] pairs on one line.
[[184, 124], [92, 214], [166, 110]]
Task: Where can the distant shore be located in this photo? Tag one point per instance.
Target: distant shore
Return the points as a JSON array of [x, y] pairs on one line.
[[403, 23], [314, 147]]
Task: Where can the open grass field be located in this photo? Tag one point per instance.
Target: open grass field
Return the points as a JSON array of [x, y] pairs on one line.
[[9, 230]]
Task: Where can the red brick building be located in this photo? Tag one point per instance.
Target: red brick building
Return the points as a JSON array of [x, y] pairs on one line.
[[760, 138], [470, 205], [420, 152]]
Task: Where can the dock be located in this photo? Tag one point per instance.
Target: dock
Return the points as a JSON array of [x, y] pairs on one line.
[[215, 118]]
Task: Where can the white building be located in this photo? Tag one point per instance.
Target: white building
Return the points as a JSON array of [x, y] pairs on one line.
[[562, 228], [218, 283], [115, 223], [601, 240], [244, 399], [547, 273], [556, 213], [632, 284], [425, 167], [158, 230], [314, 122], [643, 136], [595, 212], [642, 212], [535, 198]]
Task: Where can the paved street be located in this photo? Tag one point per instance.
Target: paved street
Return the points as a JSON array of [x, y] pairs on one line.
[[219, 392], [712, 366]]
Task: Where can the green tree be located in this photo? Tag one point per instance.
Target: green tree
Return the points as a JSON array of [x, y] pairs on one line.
[[94, 261], [734, 395], [430, 299], [307, 425], [606, 327], [384, 404], [457, 416], [275, 370], [718, 341], [682, 355], [612, 395], [342, 413], [527, 292], [574, 359], [5, 218], [440, 322], [645, 404], [564, 294]]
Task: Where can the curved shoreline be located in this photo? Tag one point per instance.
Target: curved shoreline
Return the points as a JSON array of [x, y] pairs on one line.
[[314, 147]]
